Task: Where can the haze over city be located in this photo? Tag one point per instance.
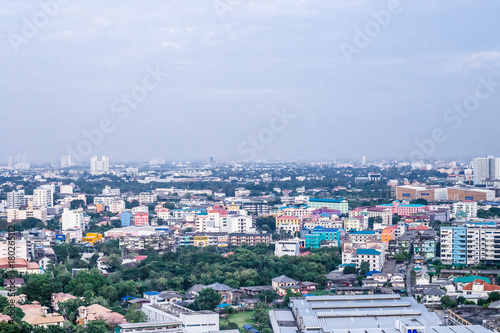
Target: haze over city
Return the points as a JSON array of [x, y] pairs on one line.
[[356, 82]]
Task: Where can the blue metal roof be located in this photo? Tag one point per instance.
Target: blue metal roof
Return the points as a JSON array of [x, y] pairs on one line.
[[367, 252], [363, 232]]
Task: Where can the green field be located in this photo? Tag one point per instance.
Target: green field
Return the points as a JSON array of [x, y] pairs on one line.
[[242, 318]]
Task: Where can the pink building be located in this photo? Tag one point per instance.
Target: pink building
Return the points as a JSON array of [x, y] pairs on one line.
[[141, 218], [404, 208]]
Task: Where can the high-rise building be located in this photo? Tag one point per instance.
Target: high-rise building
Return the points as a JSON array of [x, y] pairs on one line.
[[211, 160], [99, 166], [19, 162], [486, 170], [471, 244], [72, 219], [66, 161], [15, 199], [43, 197]]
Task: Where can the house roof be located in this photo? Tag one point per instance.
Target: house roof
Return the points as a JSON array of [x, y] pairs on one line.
[[434, 291], [219, 287], [33, 318], [367, 252], [97, 311], [283, 279], [61, 297], [486, 286]]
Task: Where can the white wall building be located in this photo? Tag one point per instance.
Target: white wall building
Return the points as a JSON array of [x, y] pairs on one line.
[[16, 199], [239, 224], [486, 170], [110, 191], [99, 166], [66, 161], [192, 321], [66, 189], [43, 198], [287, 248], [72, 219], [21, 249], [468, 207], [117, 206], [23, 214]]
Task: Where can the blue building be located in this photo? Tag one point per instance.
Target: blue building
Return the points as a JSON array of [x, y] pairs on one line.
[[321, 235], [454, 245], [126, 216]]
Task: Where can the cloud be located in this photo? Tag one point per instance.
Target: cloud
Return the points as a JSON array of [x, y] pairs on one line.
[[462, 63]]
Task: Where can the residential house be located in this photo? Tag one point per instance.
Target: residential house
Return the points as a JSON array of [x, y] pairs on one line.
[[96, 312], [282, 283]]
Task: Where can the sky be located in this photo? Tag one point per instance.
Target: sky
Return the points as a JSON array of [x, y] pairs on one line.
[[249, 80]]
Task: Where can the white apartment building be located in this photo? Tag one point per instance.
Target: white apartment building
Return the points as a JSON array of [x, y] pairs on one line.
[[483, 244], [239, 224], [72, 219], [147, 197], [99, 166], [163, 213], [66, 189], [372, 252], [468, 207], [486, 170], [15, 199], [358, 223], [110, 191], [287, 248], [21, 249], [117, 206], [192, 321], [23, 214], [43, 198], [471, 244], [106, 200], [241, 192], [66, 161], [140, 209]]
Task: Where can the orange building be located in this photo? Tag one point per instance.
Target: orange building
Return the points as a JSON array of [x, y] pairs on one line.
[[388, 233]]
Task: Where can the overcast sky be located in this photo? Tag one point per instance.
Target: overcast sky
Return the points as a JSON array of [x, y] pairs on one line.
[[228, 67]]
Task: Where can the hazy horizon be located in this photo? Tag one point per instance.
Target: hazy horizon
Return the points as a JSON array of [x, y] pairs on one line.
[[289, 80]]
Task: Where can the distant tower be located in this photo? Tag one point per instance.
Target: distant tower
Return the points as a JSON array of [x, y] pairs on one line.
[[99, 166], [211, 160], [66, 161], [363, 160], [11, 161]]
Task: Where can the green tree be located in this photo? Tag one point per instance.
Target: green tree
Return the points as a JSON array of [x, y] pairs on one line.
[[267, 223], [268, 296], [494, 296], [114, 262], [135, 316], [95, 326], [75, 204], [7, 327], [447, 302], [132, 204], [69, 308], [39, 287], [207, 299], [349, 270], [289, 294]]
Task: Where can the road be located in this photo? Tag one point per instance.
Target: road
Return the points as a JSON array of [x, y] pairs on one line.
[[409, 288]]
